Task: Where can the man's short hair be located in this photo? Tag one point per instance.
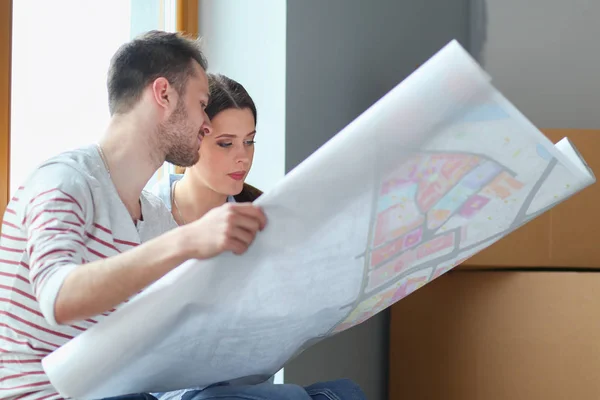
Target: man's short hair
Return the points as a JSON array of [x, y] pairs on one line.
[[147, 57]]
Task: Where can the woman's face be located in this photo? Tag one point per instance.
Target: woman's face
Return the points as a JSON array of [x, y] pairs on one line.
[[226, 154]]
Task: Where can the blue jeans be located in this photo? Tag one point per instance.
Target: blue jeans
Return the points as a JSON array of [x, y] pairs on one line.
[[341, 389]]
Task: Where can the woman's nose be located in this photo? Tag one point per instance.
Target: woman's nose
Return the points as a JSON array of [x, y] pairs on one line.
[[243, 156]]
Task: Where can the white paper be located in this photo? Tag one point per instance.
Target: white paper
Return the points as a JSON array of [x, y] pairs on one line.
[[438, 169]]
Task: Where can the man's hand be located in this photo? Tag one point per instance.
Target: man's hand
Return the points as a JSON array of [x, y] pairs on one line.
[[231, 227], [100, 285]]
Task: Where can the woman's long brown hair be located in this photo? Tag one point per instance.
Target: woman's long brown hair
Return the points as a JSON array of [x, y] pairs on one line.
[[248, 194]]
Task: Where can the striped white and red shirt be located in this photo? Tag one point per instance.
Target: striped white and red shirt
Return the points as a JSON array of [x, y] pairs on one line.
[[66, 214]]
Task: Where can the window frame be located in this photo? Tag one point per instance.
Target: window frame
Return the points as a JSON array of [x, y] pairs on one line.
[[5, 83], [187, 17]]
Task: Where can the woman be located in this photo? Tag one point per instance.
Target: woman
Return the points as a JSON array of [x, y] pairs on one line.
[[225, 157], [219, 177]]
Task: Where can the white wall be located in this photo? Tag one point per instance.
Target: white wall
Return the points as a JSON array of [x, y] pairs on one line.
[[246, 40], [544, 55]]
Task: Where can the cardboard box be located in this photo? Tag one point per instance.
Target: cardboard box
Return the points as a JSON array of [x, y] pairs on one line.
[[498, 336], [568, 236]]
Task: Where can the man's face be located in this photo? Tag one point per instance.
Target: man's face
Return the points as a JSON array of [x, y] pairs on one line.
[[188, 123]]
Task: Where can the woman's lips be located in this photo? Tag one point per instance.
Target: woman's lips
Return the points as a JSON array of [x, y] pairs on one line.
[[238, 176]]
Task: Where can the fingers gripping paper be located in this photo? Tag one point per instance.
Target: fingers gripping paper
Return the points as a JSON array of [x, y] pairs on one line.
[[438, 169]]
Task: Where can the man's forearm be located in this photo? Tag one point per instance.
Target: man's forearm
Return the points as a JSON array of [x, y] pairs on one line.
[[99, 286]]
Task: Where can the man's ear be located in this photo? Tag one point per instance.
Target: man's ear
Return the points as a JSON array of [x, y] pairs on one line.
[[163, 93]]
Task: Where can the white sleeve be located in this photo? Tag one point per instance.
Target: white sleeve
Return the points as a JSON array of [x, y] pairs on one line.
[[58, 210]]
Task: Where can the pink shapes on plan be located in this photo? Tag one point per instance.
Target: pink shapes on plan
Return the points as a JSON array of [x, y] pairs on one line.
[[473, 205]]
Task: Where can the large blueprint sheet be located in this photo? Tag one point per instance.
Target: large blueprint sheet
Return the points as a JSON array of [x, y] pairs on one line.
[[438, 169]]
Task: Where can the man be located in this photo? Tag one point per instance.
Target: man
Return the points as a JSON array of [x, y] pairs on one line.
[[80, 237]]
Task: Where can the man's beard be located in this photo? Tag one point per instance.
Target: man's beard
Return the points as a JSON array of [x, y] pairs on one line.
[[180, 139]]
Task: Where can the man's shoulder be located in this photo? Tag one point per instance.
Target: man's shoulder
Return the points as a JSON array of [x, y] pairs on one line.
[[74, 171], [83, 160]]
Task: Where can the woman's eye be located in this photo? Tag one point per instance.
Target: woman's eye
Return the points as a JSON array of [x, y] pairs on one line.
[[250, 142], [224, 145]]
